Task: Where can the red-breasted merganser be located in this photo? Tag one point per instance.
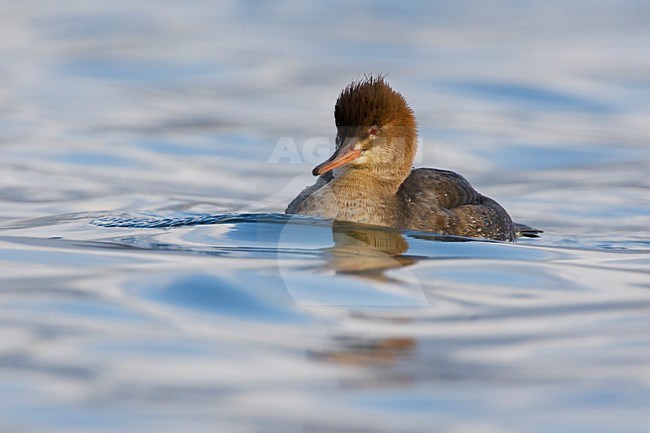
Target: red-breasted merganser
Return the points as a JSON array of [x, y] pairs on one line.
[[369, 179]]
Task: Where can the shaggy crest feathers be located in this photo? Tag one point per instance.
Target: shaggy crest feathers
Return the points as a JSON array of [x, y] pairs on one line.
[[372, 101]]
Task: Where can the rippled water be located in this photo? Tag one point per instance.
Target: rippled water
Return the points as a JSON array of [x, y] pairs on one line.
[[150, 281]]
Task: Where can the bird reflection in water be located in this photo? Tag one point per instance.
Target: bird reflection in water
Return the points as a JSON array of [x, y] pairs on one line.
[[367, 251], [358, 350]]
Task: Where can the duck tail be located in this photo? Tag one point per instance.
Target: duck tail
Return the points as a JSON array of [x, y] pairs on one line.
[[522, 230]]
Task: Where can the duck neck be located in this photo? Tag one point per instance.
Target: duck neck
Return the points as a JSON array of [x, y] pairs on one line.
[[366, 182], [357, 196], [393, 163]]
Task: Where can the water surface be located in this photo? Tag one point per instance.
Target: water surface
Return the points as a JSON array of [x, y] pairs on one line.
[[150, 281]]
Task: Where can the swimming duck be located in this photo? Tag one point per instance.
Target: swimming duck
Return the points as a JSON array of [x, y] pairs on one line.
[[369, 179]]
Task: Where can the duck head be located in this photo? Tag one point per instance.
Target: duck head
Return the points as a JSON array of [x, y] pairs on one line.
[[376, 132]]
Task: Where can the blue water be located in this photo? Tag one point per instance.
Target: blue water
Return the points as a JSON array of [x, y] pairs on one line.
[[150, 281]]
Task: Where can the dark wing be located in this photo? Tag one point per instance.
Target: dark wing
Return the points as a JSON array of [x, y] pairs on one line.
[[444, 202], [441, 187], [294, 206]]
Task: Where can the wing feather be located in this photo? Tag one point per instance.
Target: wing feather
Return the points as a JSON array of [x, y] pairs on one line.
[[445, 202]]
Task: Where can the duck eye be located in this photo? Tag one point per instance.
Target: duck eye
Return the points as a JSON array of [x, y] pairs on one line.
[[373, 131]]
